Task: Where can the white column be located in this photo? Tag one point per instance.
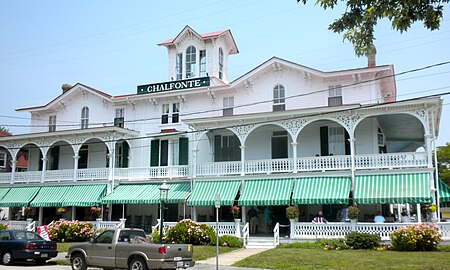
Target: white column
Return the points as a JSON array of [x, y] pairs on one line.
[[44, 168], [428, 138], [294, 154], [194, 213], [75, 167], [419, 213], [242, 159], [194, 162], [73, 213], [13, 169], [352, 154], [41, 216], [170, 153], [244, 214]]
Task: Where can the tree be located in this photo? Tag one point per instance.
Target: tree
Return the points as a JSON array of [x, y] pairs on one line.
[[443, 157], [361, 16]]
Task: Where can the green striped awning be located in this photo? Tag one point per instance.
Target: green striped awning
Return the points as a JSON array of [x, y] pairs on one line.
[[204, 192], [84, 195], [3, 192], [19, 196], [124, 194], [178, 192], [444, 192], [321, 190], [149, 195], [50, 196], [266, 192], [392, 188]]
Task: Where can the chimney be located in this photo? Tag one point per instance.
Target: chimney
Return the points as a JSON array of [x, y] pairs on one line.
[[371, 62], [65, 87]]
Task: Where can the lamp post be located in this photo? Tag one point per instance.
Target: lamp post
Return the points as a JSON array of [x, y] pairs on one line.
[[163, 191]]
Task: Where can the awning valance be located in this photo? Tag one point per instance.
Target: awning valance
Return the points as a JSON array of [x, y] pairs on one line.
[[204, 192], [19, 196], [50, 196], [321, 190], [266, 192], [124, 194], [84, 195], [392, 188]]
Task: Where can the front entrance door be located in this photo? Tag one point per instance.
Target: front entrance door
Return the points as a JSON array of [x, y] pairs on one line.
[[279, 147]]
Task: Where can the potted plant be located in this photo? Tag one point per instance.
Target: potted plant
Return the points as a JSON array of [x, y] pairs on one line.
[[432, 211], [234, 209], [60, 210], [292, 212], [352, 212]]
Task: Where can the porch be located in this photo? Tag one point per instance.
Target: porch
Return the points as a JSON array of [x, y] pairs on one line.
[[229, 168]]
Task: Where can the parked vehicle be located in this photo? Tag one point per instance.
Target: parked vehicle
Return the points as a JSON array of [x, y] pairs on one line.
[[17, 245], [129, 249]]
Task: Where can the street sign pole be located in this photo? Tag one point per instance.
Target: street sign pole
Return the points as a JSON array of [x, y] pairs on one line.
[[217, 204]]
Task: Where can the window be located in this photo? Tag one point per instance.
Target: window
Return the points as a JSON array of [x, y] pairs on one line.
[[227, 148], [336, 140], [179, 66], [228, 104], [334, 95], [52, 123], [119, 120], [105, 238], [220, 63], [175, 112], [202, 63], [190, 62], [278, 98], [2, 160], [84, 117], [167, 112]]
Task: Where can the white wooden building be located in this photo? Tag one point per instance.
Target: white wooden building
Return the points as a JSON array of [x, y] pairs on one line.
[[280, 134]]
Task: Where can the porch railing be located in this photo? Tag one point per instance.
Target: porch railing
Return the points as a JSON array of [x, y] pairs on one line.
[[19, 224], [276, 235], [251, 167], [245, 234]]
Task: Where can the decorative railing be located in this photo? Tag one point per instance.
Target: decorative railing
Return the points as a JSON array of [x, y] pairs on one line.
[[18, 224], [245, 234], [250, 167], [276, 235]]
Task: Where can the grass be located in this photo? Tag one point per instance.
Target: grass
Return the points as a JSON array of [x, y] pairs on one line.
[[64, 247], [300, 258]]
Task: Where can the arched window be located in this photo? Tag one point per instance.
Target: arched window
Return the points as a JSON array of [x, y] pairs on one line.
[[85, 117], [220, 63], [278, 98], [191, 57]]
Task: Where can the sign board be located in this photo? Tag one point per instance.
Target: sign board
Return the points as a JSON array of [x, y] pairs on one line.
[[217, 202], [173, 85]]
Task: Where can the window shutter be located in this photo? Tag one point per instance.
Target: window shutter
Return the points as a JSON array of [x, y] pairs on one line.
[[154, 153], [183, 151], [125, 149], [217, 148], [324, 141]]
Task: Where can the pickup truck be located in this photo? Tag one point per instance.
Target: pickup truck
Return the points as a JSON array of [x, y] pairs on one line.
[[128, 249]]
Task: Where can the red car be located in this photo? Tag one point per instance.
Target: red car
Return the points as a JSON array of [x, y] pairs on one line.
[[16, 245]]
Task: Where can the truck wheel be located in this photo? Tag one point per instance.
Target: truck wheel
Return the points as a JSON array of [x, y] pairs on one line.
[[138, 264], [78, 262], [7, 258]]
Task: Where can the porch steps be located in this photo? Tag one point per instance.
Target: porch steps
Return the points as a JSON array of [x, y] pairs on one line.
[[260, 242]]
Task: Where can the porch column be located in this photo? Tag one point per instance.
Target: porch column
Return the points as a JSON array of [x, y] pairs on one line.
[[41, 216], [13, 169], [244, 214], [428, 138], [170, 154], [352, 155], [111, 166], [242, 159], [75, 167], [44, 168], [194, 162], [419, 213], [194, 213], [294, 152], [73, 213]]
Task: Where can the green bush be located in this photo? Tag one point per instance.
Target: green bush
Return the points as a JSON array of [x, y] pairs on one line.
[[190, 232], [70, 231], [3, 227], [417, 237], [332, 244], [230, 241], [356, 240]]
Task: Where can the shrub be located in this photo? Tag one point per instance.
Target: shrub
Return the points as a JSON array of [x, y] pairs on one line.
[[70, 231], [3, 227], [187, 231], [332, 244], [230, 241], [292, 212], [358, 240], [417, 237]]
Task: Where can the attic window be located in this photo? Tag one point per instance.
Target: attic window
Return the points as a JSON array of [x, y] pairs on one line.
[[85, 117], [220, 63], [278, 98], [191, 55]]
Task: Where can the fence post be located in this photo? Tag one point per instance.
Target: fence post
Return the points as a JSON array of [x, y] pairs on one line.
[[237, 224], [292, 224]]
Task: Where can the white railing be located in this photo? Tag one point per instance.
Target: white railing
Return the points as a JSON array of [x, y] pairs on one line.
[[145, 173], [394, 160], [324, 163], [225, 228], [269, 166], [99, 224], [219, 168], [18, 224], [58, 175], [93, 174], [276, 235], [28, 177], [5, 178], [245, 234], [444, 229]]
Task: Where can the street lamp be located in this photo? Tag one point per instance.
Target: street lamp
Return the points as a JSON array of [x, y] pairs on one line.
[[163, 191]]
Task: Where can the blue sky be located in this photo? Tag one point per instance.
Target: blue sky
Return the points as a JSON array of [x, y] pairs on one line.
[[111, 46]]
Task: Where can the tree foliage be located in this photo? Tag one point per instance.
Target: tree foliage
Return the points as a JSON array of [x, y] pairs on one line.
[[443, 157], [361, 16]]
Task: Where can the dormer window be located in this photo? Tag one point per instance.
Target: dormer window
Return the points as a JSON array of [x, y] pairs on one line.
[[220, 63], [278, 98], [85, 117], [179, 66], [334, 95], [202, 63], [191, 61]]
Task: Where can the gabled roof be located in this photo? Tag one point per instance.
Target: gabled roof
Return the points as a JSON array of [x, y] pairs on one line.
[[210, 35], [66, 93]]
